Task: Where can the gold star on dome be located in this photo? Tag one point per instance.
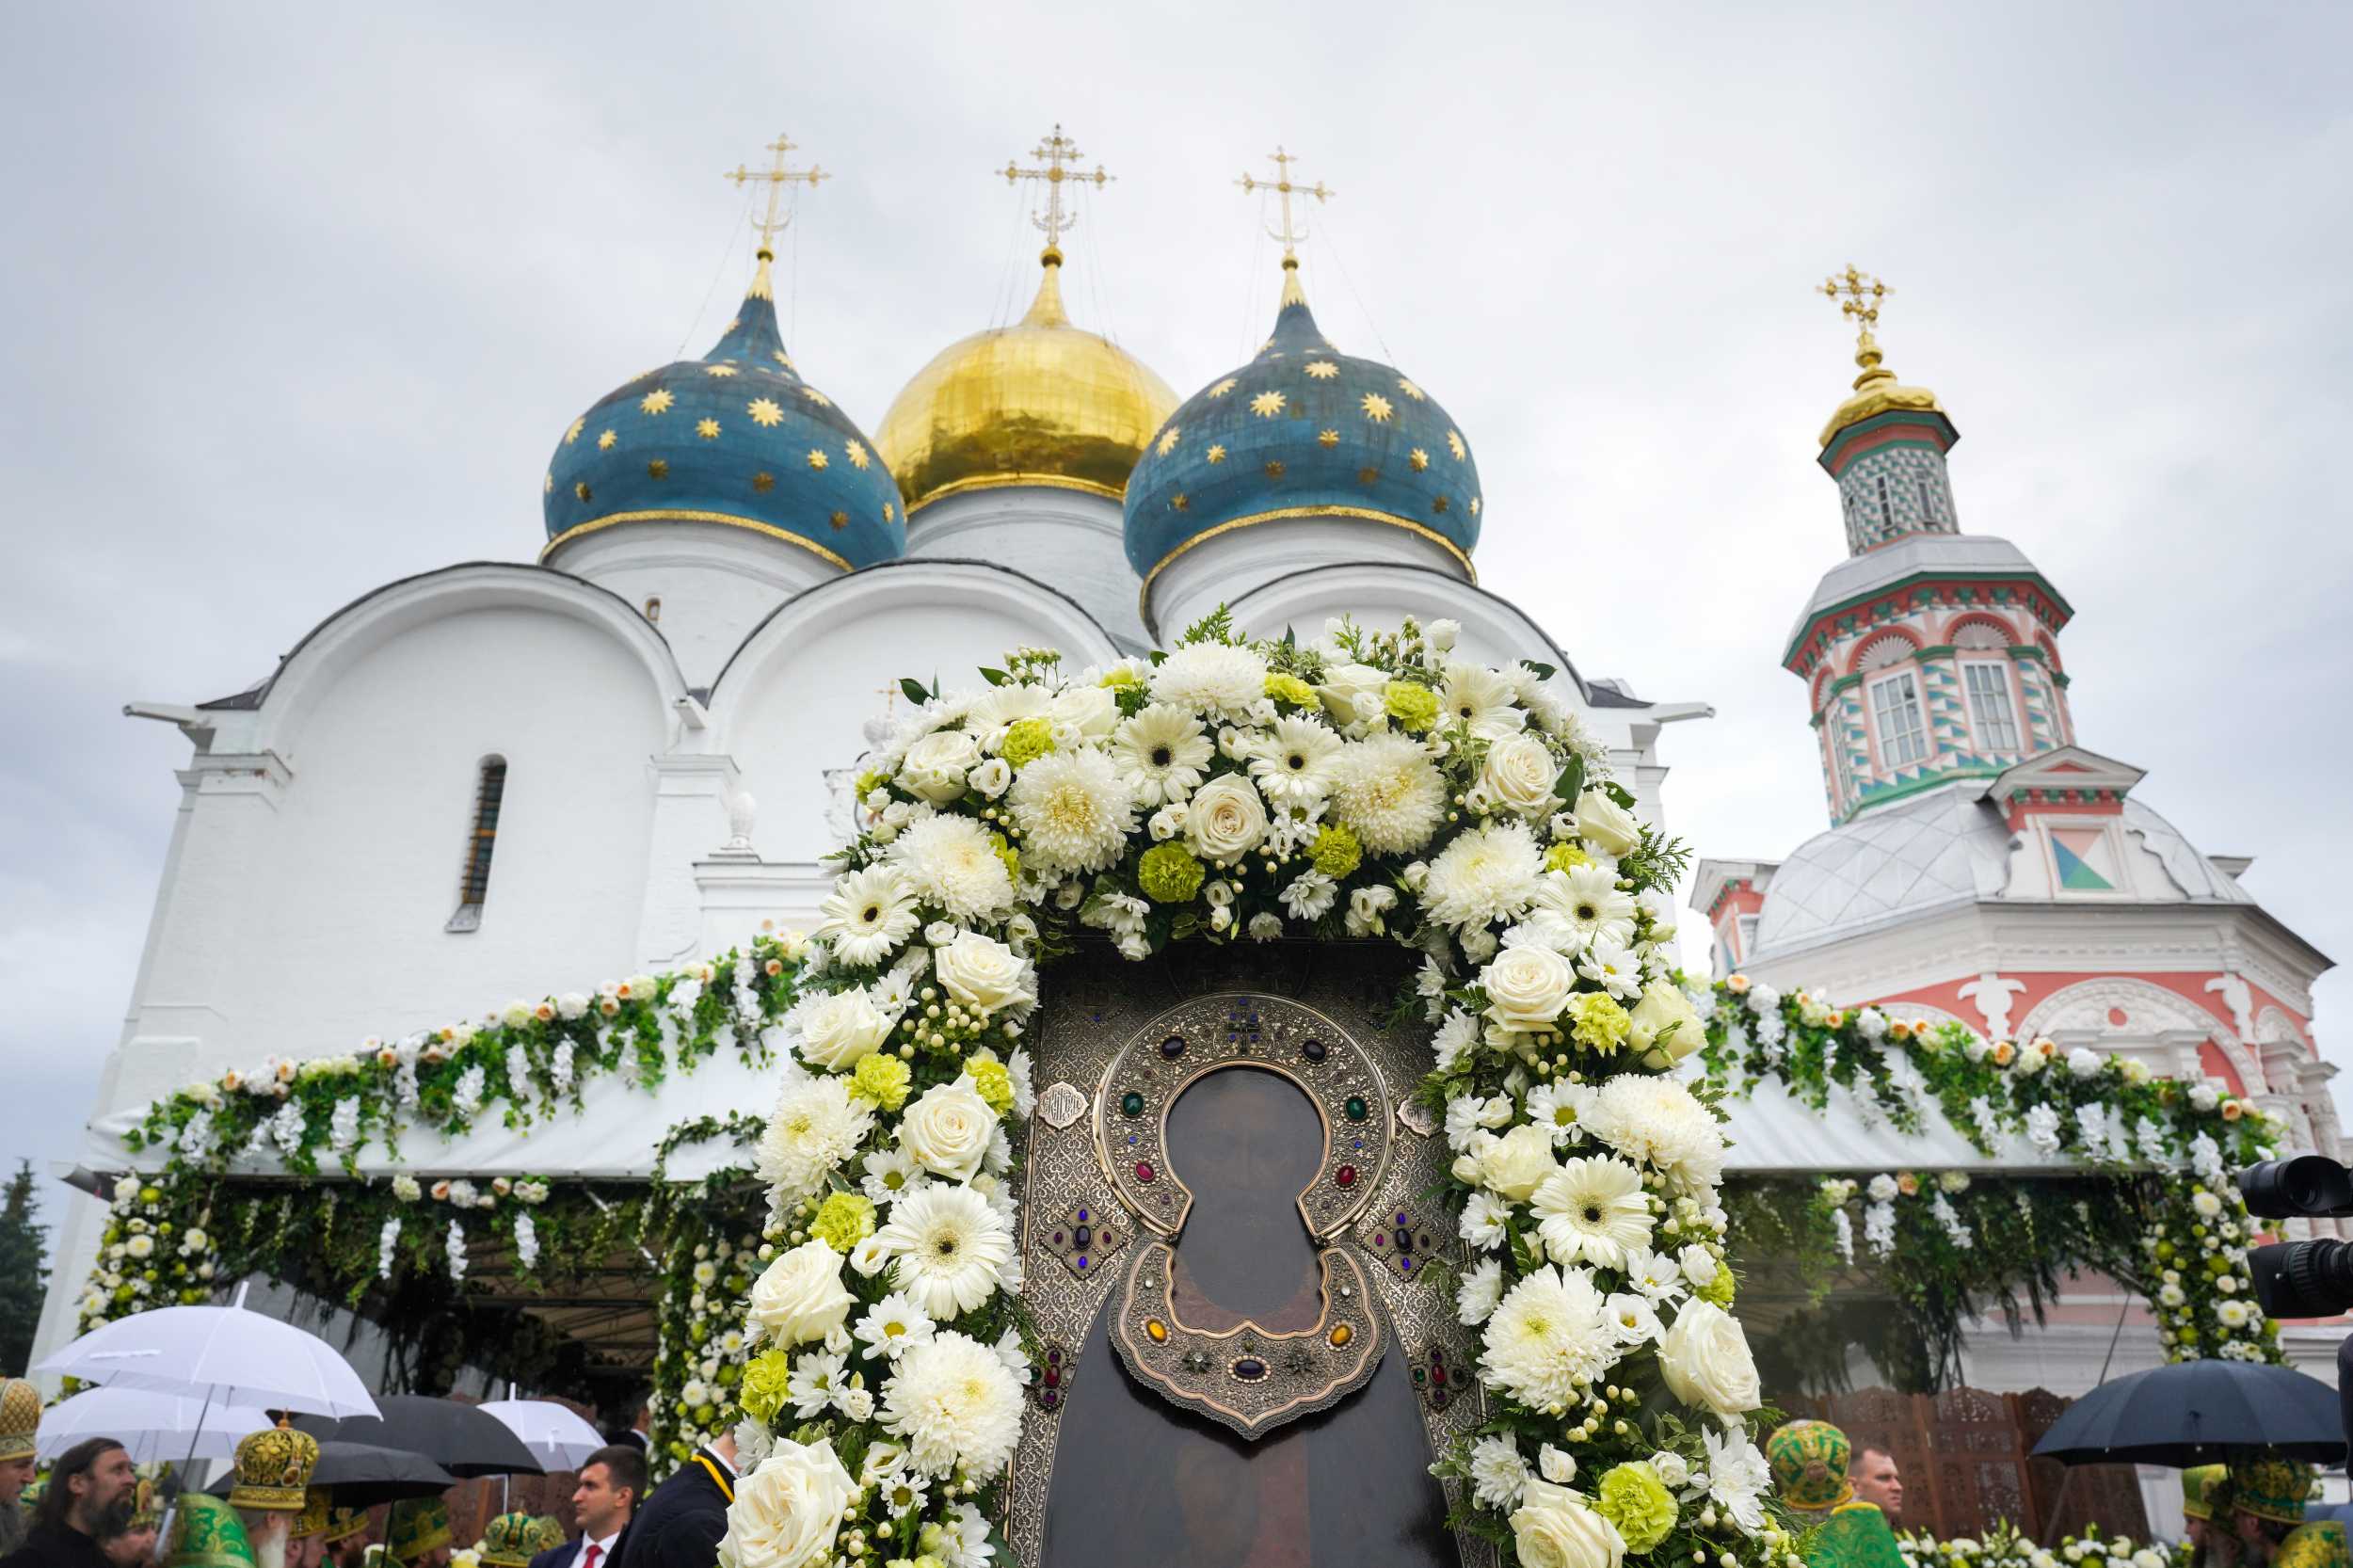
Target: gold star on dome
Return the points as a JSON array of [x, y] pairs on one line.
[[764, 411], [816, 459], [1409, 389], [817, 397], [730, 327], [658, 468], [549, 489], [655, 402], [1168, 441], [1181, 501], [781, 358], [856, 454], [582, 490], [1223, 387], [1437, 503], [1454, 444], [1367, 475], [1216, 453], [1328, 438], [573, 434], [1274, 468], [1474, 506], [764, 483], [1322, 370], [1419, 458], [1376, 408], [604, 442], [718, 370], [889, 511], [707, 429], [840, 519], [1266, 405]]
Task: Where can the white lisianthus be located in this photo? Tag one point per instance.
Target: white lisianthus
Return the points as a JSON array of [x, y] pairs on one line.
[[842, 1030], [1606, 826], [1553, 1529], [1698, 1264], [947, 1128], [1487, 874], [815, 1127], [1093, 711], [1705, 1358], [936, 765], [1526, 988], [1515, 1164], [1633, 1319], [1665, 1010], [1210, 677], [953, 865], [1225, 819], [1556, 1466], [957, 1404], [787, 1512], [1352, 694], [984, 974], [800, 1296], [1076, 812], [950, 1248], [1387, 791], [1520, 772], [991, 777]]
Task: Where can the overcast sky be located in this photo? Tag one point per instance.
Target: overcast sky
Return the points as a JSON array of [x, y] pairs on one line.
[[300, 298]]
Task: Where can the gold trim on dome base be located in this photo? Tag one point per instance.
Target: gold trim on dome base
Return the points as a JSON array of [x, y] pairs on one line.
[[1287, 514], [1002, 481], [727, 520]]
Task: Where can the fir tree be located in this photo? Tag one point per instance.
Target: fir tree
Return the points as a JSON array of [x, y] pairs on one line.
[[23, 1269]]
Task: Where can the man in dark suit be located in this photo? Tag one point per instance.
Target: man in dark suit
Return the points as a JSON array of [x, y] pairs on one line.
[[683, 1521], [610, 1482]]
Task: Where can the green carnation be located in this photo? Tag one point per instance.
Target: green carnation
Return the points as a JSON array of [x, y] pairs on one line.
[[843, 1221], [1027, 741], [1598, 1022], [1119, 675], [1415, 706], [1168, 874], [1010, 855], [991, 1080], [1566, 857], [1291, 689], [1721, 1289], [881, 1080], [1632, 1497], [1336, 851], [766, 1380]]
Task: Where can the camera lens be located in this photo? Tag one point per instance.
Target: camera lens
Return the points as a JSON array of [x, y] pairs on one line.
[[2302, 1184], [2304, 1279]]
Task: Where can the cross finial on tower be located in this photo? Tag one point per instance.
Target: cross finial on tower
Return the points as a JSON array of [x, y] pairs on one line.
[[1286, 187], [1054, 151], [775, 177], [1858, 295]]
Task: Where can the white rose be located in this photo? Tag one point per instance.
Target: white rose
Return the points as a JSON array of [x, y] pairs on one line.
[[1705, 1361], [984, 974], [937, 764], [992, 777], [1352, 691], [1526, 988], [800, 1298], [1091, 710], [1225, 819], [1671, 1468], [1520, 772], [1664, 1007], [948, 1129], [787, 1512], [1604, 824], [1698, 1265], [1167, 822], [1515, 1164], [842, 1030], [2084, 1063], [1442, 633], [1553, 1529], [1556, 1464]]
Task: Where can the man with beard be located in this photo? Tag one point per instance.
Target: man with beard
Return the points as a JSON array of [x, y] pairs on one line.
[[20, 1424], [89, 1498], [347, 1537]]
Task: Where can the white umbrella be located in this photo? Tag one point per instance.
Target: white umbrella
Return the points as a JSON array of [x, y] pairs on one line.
[[220, 1355], [555, 1436], [152, 1426]]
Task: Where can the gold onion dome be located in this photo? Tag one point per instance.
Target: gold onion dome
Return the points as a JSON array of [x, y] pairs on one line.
[[1040, 402], [1859, 296]]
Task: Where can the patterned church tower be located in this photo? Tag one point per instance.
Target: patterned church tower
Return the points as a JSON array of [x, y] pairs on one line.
[[1930, 654]]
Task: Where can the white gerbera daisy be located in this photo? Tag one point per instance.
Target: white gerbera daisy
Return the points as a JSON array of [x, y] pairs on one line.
[[1482, 698], [892, 1324], [1212, 677], [1647, 1116], [817, 1379], [954, 865], [1475, 1299], [1293, 762], [1549, 1340], [1075, 811], [949, 1247], [1592, 1211], [815, 1127], [1162, 751], [1387, 791], [1498, 1474], [1588, 901], [957, 1406], [869, 912], [1487, 874], [1634, 1319]]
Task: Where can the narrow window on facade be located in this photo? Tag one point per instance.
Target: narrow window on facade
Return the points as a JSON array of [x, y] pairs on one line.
[[1896, 711], [1887, 512], [1746, 926], [1927, 502], [1990, 710], [474, 877]]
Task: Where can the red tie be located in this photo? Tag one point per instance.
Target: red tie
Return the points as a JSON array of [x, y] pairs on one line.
[[588, 1558]]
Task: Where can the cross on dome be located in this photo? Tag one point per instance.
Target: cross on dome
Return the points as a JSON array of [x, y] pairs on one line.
[[775, 177], [1858, 295], [1284, 187], [1054, 151]]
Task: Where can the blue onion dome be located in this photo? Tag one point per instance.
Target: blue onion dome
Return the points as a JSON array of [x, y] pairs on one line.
[[1303, 431], [735, 438]]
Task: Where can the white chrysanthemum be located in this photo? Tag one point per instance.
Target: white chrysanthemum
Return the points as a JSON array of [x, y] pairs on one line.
[[892, 1324], [1549, 1339], [1163, 751], [889, 1172], [1483, 1221], [1455, 1038], [818, 1377], [1212, 677], [1387, 791], [869, 912], [1646, 1116], [1075, 810], [1475, 1299], [1557, 1106], [1592, 1211], [1294, 764], [1001, 708], [957, 1406], [1487, 874], [1482, 698], [815, 1127], [1498, 1473], [950, 1248], [1588, 901], [953, 865]]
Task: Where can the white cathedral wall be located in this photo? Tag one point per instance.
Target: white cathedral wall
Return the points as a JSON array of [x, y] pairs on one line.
[[1229, 569], [707, 585], [1071, 539]]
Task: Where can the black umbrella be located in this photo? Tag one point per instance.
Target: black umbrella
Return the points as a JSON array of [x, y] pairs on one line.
[[362, 1474], [2198, 1413], [460, 1438]]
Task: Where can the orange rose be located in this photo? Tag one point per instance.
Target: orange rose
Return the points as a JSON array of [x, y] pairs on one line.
[[2004, 1052], [1908, 1184]]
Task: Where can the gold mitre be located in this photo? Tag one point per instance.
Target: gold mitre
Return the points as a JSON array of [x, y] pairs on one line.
[[20, 1419], [274, 1470]]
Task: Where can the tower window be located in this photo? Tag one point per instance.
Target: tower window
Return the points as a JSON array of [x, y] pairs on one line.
[[473, 878], [1896, 711], [1887, 512], [1990, 710], [1927, 502]]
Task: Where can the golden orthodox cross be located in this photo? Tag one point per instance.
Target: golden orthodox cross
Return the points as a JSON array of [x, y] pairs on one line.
[[1858, 295], [1054, 151], [1286, 187], [775, 178]]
